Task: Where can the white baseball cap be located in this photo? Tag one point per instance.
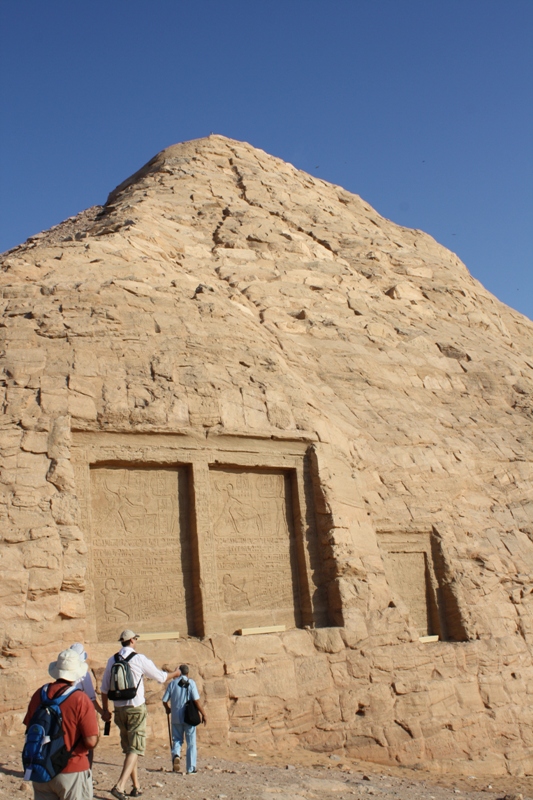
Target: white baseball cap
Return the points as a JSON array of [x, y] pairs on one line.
[[126, 635]]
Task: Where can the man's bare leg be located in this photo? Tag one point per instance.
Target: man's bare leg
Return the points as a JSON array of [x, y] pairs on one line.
[[129, 768], [135, 775]]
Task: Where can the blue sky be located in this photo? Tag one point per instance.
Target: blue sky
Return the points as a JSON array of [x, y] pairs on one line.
[[423, 107]]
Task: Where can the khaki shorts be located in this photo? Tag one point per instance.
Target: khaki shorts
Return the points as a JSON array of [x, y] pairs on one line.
[[131, 721], [66, 786]]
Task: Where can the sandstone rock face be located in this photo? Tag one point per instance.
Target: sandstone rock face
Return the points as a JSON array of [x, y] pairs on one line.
[[236, 396]]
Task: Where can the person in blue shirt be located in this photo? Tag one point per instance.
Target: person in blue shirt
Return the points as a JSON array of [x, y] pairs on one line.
[[178, 692]]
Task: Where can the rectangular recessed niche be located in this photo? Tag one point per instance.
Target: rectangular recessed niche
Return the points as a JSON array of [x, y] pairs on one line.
[[257, 560], [141, 550], [415, 570]]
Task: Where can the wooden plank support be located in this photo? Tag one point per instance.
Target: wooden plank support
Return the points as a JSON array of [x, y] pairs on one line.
[[265, 629]]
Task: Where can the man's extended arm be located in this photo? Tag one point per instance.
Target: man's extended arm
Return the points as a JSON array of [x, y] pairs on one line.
[[150, 670]]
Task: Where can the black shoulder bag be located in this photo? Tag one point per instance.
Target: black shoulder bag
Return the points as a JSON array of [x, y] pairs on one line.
[[191, 715]]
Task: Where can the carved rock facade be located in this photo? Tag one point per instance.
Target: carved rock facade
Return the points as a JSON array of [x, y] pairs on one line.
[[235, 396]]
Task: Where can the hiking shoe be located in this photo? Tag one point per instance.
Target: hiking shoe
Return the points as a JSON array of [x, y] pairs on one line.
[[118, 794], [135, 792], [192, 771], [176, 764]]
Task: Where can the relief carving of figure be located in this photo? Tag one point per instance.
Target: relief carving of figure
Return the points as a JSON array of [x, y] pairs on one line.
[[112, 594], [243, 516], [121, 507], [134, 514], [235, 596], [272, 488]]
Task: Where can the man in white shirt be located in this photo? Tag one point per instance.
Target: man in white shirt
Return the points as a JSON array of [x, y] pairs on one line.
[[130, 715]]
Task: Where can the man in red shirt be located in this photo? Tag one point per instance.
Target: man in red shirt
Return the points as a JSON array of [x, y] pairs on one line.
[[80, 726]]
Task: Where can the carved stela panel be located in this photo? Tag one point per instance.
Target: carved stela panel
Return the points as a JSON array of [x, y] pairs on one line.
[[256, 556], [417, 572], [140, 549], [408, 575]]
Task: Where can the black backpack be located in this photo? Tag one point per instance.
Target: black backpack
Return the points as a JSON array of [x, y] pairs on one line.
[[45, 753], [121, 682]]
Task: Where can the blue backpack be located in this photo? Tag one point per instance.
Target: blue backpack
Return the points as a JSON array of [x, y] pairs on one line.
[[45, 753]]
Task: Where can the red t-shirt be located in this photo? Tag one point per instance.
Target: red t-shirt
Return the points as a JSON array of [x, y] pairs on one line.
[[79, 722]]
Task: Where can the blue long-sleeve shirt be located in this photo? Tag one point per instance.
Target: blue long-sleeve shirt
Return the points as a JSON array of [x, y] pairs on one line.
[[178, 696]]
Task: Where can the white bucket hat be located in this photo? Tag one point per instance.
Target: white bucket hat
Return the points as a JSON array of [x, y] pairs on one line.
[[68, 666]]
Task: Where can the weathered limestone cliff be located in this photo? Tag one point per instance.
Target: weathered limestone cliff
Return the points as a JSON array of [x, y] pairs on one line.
[[236, 396]]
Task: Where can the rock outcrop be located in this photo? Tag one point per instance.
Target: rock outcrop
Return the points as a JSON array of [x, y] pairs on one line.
[[269, 405]]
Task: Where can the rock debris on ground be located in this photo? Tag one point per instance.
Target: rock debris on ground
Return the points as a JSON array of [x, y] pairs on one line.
[[236, 773]]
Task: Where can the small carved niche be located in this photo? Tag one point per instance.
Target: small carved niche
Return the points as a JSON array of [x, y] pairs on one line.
[[416, 571]]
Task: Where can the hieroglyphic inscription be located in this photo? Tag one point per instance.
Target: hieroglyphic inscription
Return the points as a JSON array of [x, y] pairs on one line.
[[255, 550], [139, 549]]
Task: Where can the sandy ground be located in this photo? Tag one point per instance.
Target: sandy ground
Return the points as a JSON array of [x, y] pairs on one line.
[[240, 774]]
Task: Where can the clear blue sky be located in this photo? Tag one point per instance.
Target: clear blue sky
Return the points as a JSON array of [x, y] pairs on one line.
[[423, 107]]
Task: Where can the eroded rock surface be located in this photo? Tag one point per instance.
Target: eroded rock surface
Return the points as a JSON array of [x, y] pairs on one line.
[[225, 311]]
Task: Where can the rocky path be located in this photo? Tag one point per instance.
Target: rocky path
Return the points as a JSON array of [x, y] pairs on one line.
[[238, 774]]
